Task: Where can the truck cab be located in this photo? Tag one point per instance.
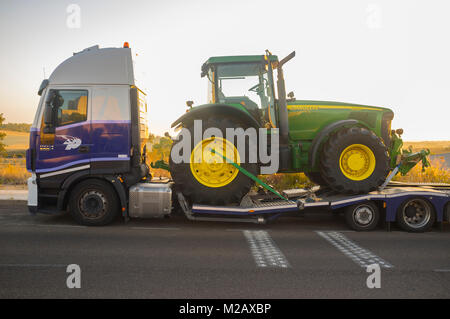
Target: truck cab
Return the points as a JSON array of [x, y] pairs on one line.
[[91, 122]]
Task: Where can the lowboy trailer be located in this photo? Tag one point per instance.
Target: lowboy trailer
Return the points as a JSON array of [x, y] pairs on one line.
[[415, 208]]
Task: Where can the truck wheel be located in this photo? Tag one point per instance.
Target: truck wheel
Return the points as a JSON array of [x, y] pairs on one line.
[[363, 216], [354, 160], [94, 203], [208, 178], [316, 178], [416, 215]]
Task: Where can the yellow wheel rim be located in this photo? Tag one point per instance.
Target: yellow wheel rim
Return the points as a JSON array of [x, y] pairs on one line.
[[357, 162], [210, 169]]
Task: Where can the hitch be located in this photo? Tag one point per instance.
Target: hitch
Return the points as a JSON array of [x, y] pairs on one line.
[[403, 160]]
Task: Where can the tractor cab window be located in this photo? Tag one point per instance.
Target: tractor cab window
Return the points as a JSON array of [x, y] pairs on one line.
[[246, 84]]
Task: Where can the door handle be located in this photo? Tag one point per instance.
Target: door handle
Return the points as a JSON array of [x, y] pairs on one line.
[[83, 149]]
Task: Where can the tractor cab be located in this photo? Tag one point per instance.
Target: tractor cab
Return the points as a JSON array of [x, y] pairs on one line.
[[245, 82]]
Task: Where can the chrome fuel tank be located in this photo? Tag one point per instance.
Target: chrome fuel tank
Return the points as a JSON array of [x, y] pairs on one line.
[[150, 200]]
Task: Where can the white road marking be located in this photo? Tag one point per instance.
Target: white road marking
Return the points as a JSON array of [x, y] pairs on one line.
[[358, 254], [42, 225], [156, 228], [53, 225], [32, 265], [264, 250]]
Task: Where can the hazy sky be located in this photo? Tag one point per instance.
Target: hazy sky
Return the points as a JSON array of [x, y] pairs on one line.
[[384, 53]]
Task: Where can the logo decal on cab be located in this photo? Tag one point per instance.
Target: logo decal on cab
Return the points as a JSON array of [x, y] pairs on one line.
[[71, 142]]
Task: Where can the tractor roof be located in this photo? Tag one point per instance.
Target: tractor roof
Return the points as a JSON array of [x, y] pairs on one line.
[[238, 59], [235, 59]]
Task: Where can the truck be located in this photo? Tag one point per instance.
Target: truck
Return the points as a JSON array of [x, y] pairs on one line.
[[87, 152]]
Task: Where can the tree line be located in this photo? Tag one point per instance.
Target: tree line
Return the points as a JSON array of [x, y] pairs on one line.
[[18, 127]]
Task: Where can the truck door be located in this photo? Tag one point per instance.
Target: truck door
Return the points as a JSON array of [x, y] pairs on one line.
[[67, 149], [110, 130]]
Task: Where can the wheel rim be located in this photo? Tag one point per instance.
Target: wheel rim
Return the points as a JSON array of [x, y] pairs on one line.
[[363, 215], [92, 204], [210, 169], [416, 213], [357, 162]]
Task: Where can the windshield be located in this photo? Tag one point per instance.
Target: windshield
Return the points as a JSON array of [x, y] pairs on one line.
[[247, 84]]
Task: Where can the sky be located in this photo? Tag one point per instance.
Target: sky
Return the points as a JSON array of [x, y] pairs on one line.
[[393, 53]]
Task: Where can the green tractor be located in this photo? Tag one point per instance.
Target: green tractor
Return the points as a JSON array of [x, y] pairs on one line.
[[346, 147]]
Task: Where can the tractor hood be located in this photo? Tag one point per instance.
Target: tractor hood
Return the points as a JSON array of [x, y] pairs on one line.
[[310, 105]]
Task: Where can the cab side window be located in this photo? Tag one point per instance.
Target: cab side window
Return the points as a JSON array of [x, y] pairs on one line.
[[72, 107]]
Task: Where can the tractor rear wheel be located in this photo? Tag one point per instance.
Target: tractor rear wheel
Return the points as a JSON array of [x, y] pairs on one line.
[[354, 160], [208, 178], [316, 178]]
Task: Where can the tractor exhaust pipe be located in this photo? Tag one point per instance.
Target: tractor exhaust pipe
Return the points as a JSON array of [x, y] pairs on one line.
[[282, 105]]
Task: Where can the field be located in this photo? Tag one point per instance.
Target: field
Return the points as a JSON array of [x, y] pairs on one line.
[[15, 140], [13, 171], [435, 147]]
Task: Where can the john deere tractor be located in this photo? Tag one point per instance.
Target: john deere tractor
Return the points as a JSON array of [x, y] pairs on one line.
[[347, 147]]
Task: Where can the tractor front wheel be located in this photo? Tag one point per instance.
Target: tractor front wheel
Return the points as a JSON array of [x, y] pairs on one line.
[[354, 160]]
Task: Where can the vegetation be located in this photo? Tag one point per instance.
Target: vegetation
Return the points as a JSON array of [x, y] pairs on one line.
[[160, 150], [13, 171], [437, 173], [2, 136], [16, 127]]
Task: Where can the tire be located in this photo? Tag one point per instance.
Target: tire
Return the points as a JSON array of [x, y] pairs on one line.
[[316, 178], [354, 148], [416, 215], [94, 202], [362, 217], [195, 190]]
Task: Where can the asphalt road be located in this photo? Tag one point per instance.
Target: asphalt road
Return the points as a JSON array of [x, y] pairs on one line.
[[315, 256]]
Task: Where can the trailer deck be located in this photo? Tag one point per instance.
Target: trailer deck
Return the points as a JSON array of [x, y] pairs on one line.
[[260, 209]]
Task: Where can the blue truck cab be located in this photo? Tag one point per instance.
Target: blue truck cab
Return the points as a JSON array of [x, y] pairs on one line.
[[90, 125]]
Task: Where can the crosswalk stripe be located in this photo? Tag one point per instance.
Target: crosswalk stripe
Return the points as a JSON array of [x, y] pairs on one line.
[[358, 254], [264, 250]]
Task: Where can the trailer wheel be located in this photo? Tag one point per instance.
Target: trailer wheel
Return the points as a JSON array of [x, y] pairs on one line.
[[93, 203], [363, 216], [416, 215]]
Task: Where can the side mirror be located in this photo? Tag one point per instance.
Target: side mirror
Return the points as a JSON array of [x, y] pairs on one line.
[[48, 115], [189, 103], [44, 84]]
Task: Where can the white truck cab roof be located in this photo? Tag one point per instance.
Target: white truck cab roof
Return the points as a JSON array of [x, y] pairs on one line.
[[95, 66]]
